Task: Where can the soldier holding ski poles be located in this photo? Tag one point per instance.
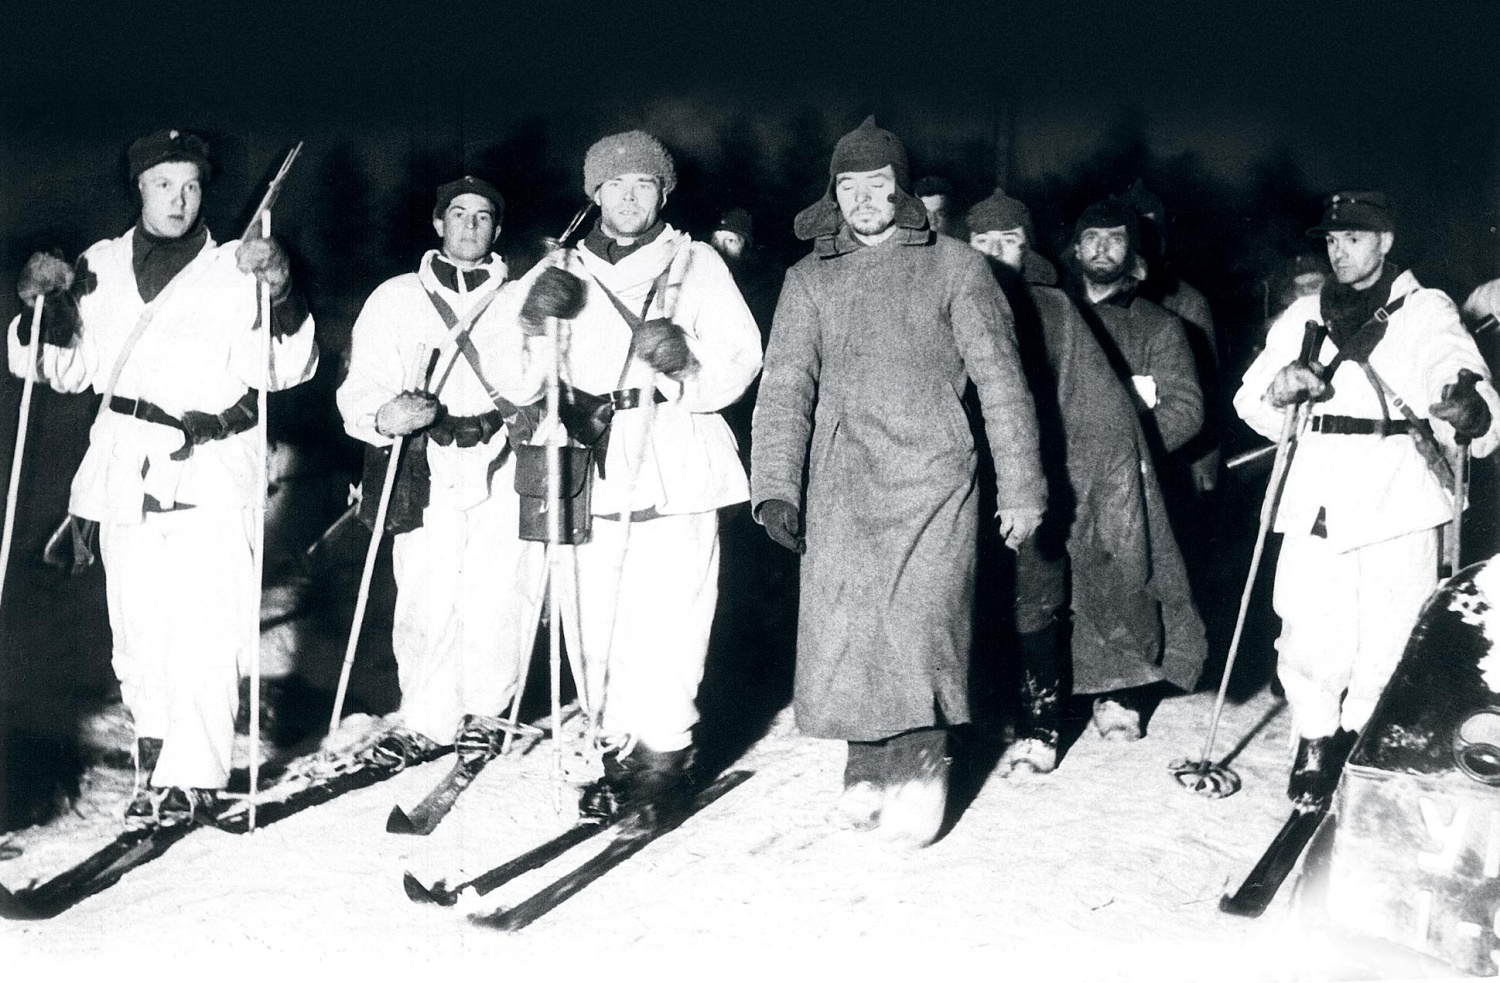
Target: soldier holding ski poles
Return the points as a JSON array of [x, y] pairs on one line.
[[466, 598], [162, 322], [1394, 384], [656, 342]]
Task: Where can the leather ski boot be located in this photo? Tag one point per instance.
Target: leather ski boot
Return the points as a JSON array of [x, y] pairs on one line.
[[142, 809], [603, 798], [401, 748], [1316, 768], [660, 786]]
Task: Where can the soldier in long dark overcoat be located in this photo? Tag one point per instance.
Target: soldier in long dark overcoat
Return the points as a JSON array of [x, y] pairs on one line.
[[877, 334]]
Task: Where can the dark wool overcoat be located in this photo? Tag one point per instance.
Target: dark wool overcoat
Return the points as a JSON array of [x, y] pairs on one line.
[[1145, 339], [1133, 616], [871, 350]]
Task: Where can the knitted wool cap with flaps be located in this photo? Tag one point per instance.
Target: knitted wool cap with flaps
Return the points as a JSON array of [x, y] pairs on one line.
[[865, 148], [998, 213], [632, 152]]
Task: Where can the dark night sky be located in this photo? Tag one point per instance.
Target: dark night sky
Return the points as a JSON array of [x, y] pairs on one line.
[[1218, 100]]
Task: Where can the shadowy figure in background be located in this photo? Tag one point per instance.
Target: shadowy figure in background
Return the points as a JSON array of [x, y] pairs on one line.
[[759, 281], [936, 195]]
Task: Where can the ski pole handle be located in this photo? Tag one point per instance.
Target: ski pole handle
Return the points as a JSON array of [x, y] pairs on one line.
[[1313, 334]]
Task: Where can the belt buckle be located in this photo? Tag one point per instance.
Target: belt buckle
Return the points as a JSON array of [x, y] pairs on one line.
[[625, 399], [138, 409]]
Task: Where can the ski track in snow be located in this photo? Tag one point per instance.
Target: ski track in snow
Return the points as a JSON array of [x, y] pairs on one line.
[[1104, 870]]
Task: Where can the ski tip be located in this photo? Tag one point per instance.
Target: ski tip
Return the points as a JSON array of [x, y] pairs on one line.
[[1231, 905], [399, 822], [417, 891], [499, 920], [13, 908]]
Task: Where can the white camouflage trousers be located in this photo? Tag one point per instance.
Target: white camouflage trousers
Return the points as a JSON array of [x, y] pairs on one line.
[[645, 605], [468, 595], [181, 601], [1345, 622]]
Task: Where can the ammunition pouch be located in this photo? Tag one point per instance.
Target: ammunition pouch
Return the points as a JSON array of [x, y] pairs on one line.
[[411, 493], [576, 492]]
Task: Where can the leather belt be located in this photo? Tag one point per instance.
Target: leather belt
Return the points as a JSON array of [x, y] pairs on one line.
[[629, 399], [143, 409], [1333, 424]]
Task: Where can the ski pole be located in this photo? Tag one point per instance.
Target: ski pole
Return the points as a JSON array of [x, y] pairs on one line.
[[12, 494], [553, 455], [1453, 535], [1203, 775], [554, 560], [258, 544], [367, 574]]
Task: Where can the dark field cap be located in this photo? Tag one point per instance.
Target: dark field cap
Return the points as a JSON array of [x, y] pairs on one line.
[[164, 145], [736, 220], [467, 185], [1354, 211]]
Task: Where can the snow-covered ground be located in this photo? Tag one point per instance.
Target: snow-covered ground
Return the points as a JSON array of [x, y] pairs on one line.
[[1104, 870]]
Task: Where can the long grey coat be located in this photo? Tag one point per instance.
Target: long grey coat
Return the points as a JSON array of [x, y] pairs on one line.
[[870, 353]]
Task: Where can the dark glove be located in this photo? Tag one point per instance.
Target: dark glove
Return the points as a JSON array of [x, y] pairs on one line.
[[266, 260], [782, 524], [1463, 408], [202, 427], [407, 413], [44, 273], [1294, 383], [554, 293], [663, 346]]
